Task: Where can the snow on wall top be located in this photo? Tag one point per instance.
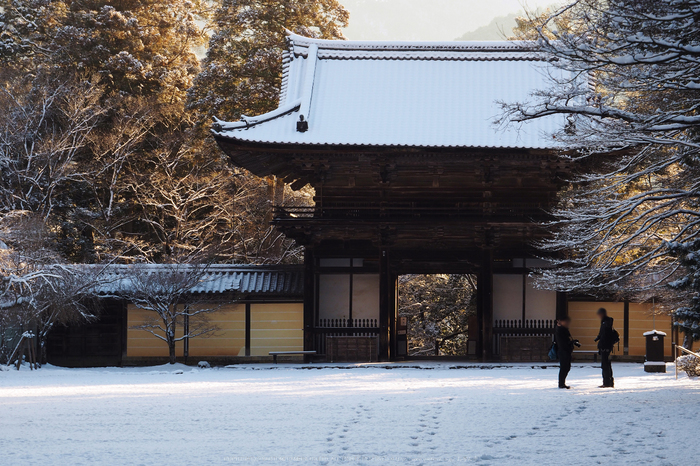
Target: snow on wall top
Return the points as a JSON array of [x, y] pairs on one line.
[[422, 94], [215, 278]]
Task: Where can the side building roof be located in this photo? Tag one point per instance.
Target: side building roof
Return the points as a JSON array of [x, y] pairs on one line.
[[239, 281], [402, 94]]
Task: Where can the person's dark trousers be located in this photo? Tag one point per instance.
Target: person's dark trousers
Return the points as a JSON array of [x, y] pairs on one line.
[[606, 365], [564, 368]]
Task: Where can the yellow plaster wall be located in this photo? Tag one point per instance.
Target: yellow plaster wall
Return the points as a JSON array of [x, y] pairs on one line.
[[276, 327], [229, 340], [273, 327], [585, 325], [642, 320], [140, 343]]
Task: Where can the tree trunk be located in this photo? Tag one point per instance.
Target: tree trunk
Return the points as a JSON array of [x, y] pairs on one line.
[[278, 198], [171, 348]]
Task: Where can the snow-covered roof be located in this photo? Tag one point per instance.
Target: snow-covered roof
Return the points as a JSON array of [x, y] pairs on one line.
[[422, 94], [215, 279]]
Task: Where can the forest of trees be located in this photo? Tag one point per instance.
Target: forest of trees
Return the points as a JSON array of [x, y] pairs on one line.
[[105, 153], [106, 109]]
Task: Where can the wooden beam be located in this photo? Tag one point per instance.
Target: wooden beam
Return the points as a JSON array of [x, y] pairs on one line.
[[309, 298], [393, 312], [485, 284]]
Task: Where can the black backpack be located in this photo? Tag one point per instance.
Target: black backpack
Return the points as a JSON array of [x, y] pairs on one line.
[[615, 336]]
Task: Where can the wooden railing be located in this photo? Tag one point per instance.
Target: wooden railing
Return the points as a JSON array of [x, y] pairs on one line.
[[678, 351], [343, 327], [520, 328], [347, 323], [403, 211]]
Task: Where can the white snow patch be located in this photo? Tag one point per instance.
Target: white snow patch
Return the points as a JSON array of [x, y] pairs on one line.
[[345, 414]]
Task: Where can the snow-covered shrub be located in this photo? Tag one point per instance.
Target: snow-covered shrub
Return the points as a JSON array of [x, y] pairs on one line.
[[690, 364]]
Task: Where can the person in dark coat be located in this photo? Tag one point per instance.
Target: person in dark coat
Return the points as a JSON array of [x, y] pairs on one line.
[[606, 342], [565, 347]]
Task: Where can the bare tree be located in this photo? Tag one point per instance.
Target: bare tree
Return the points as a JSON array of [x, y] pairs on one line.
[[168, 292], [36, 292], [43, 130]]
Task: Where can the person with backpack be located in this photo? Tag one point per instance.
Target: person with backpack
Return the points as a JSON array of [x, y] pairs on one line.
[[607, 337], [564, 347]]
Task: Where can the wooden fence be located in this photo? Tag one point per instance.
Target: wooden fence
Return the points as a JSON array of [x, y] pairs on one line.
[[520, 328], [343, 328]]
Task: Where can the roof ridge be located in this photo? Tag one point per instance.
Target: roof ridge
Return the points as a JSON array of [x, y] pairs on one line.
[[477, 46]]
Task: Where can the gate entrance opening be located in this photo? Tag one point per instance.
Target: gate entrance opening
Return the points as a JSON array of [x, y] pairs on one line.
[[439, 310]]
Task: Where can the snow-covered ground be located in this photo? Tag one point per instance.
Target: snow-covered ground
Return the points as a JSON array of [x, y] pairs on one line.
[[296, 414]]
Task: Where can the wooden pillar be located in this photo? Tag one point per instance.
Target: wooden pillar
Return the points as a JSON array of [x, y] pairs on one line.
[[524, 303], [485, 301], [309, 299], [626, 329], [479, 317], [393, 311], [385, 298], [124, 330], [562, 305], [186, 330], [247, 329]]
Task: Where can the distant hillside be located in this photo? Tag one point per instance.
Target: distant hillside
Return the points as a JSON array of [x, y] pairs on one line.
[[499, 28]]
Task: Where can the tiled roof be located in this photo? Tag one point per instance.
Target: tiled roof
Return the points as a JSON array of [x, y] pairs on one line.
[[241, 280], [421, 94]]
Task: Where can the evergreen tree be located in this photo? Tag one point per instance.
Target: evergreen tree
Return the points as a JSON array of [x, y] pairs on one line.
[[242, 71], [135, 47], [141, 184], [241, 74], [687, 316]]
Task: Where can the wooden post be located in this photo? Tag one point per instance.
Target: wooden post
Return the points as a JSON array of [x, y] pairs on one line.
[[32, 354], [385, 297], [247, 329], [25, 345], [479, 316], [524, 290], [485, 284], [22, 344], [309, 299], [626, 329], [124, 331], [186, 330], [393, 307]]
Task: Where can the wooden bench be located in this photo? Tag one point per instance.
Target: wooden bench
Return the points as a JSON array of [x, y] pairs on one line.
[[274, 354]]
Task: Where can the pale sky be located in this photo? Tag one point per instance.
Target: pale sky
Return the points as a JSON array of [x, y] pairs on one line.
[[427, 19]]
